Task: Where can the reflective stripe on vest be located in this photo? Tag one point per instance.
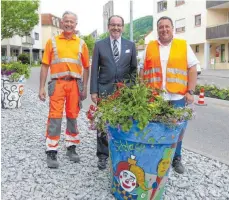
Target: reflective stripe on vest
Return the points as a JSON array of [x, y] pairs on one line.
[[177, 71], [73, 74], [176, 80], [151, 71], [155, 79], [70, 60]]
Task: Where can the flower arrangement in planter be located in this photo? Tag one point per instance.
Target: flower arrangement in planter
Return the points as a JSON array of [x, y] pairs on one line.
[[138, 103], [15, 70], [13, 77], [143, 130]]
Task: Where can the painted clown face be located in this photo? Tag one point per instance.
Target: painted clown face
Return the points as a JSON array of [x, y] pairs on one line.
[[127, 180]]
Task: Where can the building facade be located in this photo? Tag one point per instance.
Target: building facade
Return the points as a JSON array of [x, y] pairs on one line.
[[31, 44], [108, 10], [51, 26], [205, 26]]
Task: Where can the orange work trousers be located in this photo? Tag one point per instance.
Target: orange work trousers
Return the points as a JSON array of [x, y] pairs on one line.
[[62, 92]]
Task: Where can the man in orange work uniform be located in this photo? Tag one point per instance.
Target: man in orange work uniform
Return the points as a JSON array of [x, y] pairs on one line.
[[68, 58]]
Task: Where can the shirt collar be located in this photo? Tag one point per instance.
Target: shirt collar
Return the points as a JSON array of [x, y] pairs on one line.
[[118, 40], [159, 42], [61, 36]]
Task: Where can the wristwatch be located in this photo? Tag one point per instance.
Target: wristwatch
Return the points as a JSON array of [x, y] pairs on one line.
[[191, 92]]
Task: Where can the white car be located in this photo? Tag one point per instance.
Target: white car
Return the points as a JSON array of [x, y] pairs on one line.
[[198, 68]]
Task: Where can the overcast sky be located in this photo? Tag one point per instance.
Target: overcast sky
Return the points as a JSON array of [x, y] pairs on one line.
[[90, 12]]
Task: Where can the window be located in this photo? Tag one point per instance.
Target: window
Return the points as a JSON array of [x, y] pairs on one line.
[[180, 25], [222, 52], [57, 22], [161, 6], [179, 2], [197, 20], [53, 21], [197, 48], [36, 35]]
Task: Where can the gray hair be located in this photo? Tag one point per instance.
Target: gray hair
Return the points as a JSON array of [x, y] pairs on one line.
[[69, 13]]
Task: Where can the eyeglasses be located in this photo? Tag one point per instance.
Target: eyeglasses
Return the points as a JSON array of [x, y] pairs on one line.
[[118, 25]]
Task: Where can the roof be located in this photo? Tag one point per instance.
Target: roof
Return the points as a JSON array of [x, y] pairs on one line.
[[51, 20]]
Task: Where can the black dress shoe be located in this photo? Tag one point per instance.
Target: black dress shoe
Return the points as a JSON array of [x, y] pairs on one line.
[[102, 163]]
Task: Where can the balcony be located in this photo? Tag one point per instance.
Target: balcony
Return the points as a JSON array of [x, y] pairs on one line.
[[217, 32], [28, 40], [217, 4]]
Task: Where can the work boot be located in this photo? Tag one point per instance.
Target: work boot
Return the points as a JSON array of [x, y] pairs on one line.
[[51, 159], [177, 165], [102, 163], [71, 153]]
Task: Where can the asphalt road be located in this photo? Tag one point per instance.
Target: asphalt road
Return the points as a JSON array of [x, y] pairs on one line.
[[208, 133], [220, 78]]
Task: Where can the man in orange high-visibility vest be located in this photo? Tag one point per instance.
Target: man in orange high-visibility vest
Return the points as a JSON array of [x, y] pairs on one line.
[[170, 64], [68, 58]]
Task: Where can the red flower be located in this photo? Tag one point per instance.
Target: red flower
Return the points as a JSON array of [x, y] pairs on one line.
[[120, 85], [115, 95], [151, 99], [92, 107], [155, 93]]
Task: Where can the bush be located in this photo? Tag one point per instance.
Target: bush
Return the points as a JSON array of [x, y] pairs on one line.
[[213, 92], [15, 70], [24, 58]]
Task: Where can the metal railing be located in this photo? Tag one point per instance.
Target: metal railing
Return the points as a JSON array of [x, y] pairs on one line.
[[218, 31]]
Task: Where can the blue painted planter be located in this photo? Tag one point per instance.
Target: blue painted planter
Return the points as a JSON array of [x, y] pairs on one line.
[[140, 160]]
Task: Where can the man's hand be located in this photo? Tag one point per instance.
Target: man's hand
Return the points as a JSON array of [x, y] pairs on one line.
[[83, 95], [42, 94], [94, 97], [189, 98]]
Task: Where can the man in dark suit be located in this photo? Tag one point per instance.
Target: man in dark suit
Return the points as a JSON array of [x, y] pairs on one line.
[[114, 60]]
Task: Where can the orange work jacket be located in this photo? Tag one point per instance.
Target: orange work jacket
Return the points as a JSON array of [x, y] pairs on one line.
[[66, 57], [176, 71]]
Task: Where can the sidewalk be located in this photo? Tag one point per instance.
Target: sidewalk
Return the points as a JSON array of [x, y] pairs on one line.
[[25, 175]]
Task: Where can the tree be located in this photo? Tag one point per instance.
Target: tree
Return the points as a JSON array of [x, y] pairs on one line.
[[104, 35], [90, 41], [141, 42], [18, 17]]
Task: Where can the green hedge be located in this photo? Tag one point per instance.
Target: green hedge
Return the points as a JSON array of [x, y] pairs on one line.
[[213, 92]]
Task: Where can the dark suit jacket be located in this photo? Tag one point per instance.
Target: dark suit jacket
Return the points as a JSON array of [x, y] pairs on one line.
[[105, 73]]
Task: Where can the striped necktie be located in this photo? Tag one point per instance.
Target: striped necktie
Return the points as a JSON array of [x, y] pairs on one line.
[[115, 51]]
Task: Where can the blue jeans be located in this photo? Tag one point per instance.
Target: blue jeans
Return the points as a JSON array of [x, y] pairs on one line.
[[177, 104]]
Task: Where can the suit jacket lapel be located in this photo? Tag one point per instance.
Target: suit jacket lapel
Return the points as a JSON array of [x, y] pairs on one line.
[[123, 49], [108, 43]]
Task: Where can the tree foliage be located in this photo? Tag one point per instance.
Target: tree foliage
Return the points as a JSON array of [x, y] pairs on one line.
[[104, 35], [141, 27], [18, 17], [90, 41]]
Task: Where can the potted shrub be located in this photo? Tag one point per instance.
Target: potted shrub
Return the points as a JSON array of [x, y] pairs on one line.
[[143, 131], [13, 78]]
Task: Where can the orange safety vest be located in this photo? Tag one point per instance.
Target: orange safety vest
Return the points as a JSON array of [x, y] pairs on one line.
[[66, 66], [176, 71]]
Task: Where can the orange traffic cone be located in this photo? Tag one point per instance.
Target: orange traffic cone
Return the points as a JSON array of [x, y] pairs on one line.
[[201, 98]]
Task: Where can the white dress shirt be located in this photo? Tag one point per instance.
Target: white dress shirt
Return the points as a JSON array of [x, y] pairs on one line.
[[118, 43], [164, 56]]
